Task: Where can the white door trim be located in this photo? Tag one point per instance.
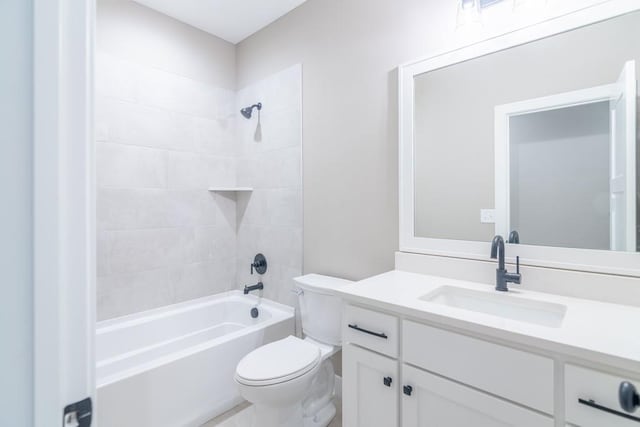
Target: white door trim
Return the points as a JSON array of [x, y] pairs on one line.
[[64, 207]]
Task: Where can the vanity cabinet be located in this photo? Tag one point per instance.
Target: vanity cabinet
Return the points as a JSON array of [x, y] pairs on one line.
[[592, 398], [515, 375], [430, 400], [370, 387], [389, 381]]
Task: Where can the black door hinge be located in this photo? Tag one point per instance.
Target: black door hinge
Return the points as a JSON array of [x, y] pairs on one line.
[[78, 414]]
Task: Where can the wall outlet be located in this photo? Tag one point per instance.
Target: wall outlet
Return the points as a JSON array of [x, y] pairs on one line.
[[488, 216]]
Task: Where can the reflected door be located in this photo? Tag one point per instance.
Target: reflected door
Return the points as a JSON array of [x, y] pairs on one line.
[[622, 181]]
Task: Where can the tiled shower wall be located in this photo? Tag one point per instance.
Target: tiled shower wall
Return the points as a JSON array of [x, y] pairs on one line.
[[270, 161], [162, 141]]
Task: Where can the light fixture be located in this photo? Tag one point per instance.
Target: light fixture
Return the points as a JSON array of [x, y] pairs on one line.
[[468, 13]]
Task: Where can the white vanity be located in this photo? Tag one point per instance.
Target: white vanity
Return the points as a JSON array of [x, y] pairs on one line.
[[430, 351], [528, 138]]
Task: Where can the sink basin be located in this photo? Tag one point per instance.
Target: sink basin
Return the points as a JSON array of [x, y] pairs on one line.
[[499, 304]]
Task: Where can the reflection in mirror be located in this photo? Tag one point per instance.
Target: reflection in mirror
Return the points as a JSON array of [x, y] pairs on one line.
[[558, 177], [540, 138]]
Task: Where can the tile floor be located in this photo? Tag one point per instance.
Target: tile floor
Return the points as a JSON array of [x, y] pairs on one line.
[[240, 416]]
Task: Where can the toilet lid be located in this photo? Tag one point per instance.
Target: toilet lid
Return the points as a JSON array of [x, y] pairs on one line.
[[278, 362]]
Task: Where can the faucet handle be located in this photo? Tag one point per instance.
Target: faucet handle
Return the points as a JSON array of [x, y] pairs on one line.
[[518, 264], [259, 264]]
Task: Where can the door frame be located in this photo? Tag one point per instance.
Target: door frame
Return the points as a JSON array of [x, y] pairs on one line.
[[626, 85], [502, 114], [64, 207]]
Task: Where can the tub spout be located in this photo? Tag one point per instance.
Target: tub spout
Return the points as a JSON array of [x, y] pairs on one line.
[[255, 287]]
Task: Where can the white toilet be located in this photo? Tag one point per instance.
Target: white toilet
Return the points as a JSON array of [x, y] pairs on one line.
[[291, 381]]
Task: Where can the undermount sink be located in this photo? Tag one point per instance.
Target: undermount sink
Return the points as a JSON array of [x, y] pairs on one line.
[[499, 304]]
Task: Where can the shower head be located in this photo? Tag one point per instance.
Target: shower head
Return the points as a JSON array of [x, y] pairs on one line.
[[247, 111]]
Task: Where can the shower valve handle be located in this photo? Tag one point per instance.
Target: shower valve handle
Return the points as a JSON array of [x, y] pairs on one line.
[[259, 264]]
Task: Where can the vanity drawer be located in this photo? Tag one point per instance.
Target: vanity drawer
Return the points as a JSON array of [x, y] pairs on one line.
[[370, 329], [599, 394], [513, 374]]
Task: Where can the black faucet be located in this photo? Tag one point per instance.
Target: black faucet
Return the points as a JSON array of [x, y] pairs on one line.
[[255, 287], [503, 277]]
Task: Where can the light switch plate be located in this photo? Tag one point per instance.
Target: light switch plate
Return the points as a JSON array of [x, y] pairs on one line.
[[488, 216]]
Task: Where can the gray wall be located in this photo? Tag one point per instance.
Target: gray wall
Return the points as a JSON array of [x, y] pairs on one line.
[[350, 51], [455, 116], [16, 262]]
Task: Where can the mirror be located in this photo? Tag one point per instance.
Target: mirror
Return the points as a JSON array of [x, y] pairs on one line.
[[539, 138]]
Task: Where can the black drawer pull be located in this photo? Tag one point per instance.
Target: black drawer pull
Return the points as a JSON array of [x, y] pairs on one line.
[[407, 389], [593, 404], [387, 381], [375, 334]]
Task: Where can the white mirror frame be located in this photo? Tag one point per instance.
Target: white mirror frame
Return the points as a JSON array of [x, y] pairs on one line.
[[602, 261]]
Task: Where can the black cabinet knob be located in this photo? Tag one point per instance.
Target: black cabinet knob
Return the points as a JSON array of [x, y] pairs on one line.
[[628, 396], [407, 389], [387, 381]]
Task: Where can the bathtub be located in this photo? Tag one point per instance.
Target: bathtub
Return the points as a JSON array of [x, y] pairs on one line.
[[174, 366]]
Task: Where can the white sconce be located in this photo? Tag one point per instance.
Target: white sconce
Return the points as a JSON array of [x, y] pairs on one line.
[[468, 13]]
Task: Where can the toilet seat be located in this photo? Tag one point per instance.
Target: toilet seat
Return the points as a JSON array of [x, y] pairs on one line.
[[278, 362]]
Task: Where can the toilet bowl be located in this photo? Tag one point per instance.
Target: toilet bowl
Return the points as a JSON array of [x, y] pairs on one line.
[[291, 381]]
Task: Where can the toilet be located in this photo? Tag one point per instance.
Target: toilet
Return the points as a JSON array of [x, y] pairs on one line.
[[291, 381]]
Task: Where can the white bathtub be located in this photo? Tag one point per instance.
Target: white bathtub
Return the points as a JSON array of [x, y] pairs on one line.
[[174, 366]]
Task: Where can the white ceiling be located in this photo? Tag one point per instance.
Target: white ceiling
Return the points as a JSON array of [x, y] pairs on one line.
[[231, 20]]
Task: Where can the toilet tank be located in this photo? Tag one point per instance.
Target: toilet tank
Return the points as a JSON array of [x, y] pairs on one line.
[[320, 307]]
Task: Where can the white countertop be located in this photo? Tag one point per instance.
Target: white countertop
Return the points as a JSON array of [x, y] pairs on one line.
[[595, 331]]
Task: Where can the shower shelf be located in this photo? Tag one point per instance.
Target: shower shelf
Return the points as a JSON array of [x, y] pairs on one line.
[[230, 189]]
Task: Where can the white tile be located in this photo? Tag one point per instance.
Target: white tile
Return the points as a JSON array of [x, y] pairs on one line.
[[284, 207], [115, 78], [135, 124], [162, 140], [137, 250], [191, 208], [200, 279], [278, 129], [123, 294], [280, 207], [252, 209], [211, 243], [272, 169], [176, 93], [227, 205], [283, 90], [226, 100], [193, 170], [126, 209], [129, 209], [216, 136], [130, 167]]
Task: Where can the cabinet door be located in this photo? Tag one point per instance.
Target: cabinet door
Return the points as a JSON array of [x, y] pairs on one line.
[[369, 388], [433, 401]]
